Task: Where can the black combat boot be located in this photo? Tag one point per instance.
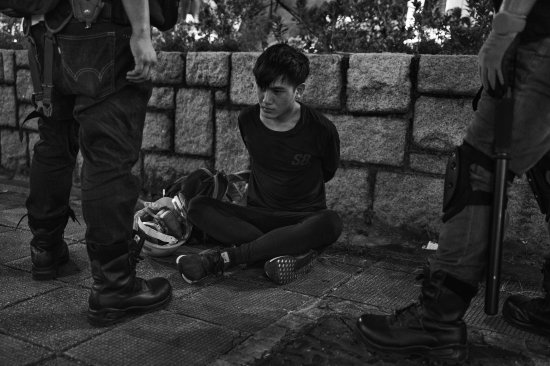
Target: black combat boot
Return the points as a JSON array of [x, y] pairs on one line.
[[48, 249], [432, 327], [117, 292], [531, 314]]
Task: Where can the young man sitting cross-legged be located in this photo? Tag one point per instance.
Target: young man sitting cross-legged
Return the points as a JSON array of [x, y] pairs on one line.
[[294, 150]]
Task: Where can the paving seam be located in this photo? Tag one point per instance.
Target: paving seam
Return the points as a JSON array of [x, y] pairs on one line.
[[32, 297], [104, 330], [500, 340], [249, 346], [25, 340], [207, 321], [7, 264], [55, 358], [14, 227], [327, 292], [232, 357]]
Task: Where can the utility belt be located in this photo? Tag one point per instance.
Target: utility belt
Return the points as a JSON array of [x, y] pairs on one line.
[[82, 11], [89, 12]]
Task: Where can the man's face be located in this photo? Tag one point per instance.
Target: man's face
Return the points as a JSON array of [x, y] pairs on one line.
[[277, 99]]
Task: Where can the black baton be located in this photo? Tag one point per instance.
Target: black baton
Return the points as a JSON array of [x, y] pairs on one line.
[[504, 117]]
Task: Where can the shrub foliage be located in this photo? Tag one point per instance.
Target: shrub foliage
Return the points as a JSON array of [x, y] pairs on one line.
[[332, 26]]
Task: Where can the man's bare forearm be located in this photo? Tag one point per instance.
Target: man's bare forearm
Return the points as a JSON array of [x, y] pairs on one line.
[[141, 46], [138, 14]]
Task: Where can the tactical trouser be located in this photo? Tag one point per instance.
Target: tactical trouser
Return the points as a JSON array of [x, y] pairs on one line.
[[464, 238], [97, 110]]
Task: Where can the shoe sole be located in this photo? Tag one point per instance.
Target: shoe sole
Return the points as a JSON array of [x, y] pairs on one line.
[[286, 268], [48, 273], [188, 280], [110, 316], [451, 354], [529, 327]]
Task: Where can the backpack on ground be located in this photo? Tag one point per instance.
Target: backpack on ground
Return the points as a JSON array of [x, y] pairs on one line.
[[164, 224], [210, 183]]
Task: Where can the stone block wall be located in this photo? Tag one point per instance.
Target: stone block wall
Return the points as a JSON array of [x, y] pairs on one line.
[[398, 116]]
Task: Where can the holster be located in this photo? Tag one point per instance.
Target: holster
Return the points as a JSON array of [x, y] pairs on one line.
[[87, 11]]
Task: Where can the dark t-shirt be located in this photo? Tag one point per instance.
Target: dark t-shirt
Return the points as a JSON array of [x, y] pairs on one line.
[[289, 168]]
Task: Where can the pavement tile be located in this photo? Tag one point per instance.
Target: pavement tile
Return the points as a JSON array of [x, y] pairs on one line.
[[326, 274], [56, 320], [475, 316], [10, 218], [11, 199], [264, 341], [160, 338], [413, 268], [14, 244], [4, 229], [157, 267], [58, 360], [240, 305], [389, 290], [339, 257], [74, 271], [334, 305], [17, 352], [13, 216], [332, 342], [17, 286], [380, 287], [250, 274], [324, 277]]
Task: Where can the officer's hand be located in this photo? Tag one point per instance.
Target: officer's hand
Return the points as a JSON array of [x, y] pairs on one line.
[[145, 58], [490, 59]]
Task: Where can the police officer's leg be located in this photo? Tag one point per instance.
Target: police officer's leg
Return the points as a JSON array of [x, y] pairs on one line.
[[436, 327], [50, 181], [468, 193], [48, 202], [110, 138]]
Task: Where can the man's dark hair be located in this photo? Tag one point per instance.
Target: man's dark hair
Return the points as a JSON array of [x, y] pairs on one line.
[[281, 60]]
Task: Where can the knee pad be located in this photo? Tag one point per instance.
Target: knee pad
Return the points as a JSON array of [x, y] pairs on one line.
[[457, 192], [539, 180]]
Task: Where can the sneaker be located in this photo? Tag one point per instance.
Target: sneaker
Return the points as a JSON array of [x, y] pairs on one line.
[[287, 268], [195, 267]]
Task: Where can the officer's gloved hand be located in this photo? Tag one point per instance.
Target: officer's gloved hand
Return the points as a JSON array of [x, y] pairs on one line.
[[491, 57], [506, 27]]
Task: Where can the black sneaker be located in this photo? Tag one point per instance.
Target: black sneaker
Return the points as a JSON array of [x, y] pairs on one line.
[[195, 267], [287, 268]]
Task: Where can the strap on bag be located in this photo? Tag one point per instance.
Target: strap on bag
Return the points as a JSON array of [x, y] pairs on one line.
[[85, 11]]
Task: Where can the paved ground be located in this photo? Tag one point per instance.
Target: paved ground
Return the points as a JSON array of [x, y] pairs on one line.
[[237, 319]]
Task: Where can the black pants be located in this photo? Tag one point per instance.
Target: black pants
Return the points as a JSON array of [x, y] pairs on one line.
[[97, 112], [261, 234]]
